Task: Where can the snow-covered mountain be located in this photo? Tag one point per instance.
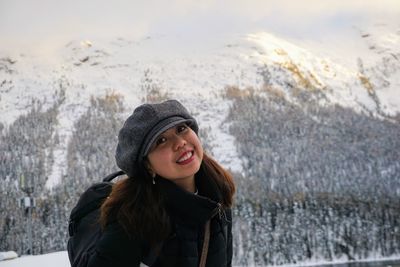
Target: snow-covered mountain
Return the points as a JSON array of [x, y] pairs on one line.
[[198, 76], [301, 125]]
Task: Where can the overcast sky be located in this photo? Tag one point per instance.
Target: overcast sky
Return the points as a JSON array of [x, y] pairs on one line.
[[33, 21]]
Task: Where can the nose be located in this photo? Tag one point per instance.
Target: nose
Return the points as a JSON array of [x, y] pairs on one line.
[[179, 142]]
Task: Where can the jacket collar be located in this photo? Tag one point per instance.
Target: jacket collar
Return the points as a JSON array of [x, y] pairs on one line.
[[191, 208]]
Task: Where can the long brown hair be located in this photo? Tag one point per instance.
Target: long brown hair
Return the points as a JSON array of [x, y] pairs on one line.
[[137, 204]]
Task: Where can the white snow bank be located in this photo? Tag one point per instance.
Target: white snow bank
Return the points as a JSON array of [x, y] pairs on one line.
[[8, 255], [59, 259]]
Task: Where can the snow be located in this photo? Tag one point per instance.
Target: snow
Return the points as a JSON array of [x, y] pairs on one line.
[[7, 255], [64, 131], [340, 82], [60, 259], [118, 67], [224, 148], [97, 67]]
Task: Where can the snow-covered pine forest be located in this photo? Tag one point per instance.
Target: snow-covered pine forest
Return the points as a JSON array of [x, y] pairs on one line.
[[314, 148]]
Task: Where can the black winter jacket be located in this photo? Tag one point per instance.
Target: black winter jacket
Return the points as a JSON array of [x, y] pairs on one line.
[[188, 213]]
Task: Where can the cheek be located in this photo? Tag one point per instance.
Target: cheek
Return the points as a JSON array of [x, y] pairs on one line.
[[199, 146], [158, 160]]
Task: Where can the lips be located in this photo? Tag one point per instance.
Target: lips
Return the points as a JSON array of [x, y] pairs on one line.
[[185, 157]]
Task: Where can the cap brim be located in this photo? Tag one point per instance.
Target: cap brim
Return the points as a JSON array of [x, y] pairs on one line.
[[159, 129]]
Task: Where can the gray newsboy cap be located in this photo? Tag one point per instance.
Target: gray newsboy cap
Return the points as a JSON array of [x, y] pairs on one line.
[[142, 128]]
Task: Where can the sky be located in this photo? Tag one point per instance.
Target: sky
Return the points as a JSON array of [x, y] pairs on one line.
[[32, 23]]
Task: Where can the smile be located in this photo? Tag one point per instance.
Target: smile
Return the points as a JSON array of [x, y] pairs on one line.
[[185, 158]]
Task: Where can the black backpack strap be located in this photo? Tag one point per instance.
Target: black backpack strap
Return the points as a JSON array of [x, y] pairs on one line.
[[224, 222], [111, 176]]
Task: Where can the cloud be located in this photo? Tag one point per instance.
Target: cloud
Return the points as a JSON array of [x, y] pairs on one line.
[[313, 8], [26, 19]]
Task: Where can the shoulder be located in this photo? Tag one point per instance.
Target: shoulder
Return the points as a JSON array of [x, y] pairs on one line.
[[115, 240], [116, 248]]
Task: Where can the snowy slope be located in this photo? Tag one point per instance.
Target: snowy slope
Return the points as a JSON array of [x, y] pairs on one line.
[[371, 85], [197, 75]]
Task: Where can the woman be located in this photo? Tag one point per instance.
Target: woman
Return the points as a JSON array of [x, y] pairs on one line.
[[174, 207]]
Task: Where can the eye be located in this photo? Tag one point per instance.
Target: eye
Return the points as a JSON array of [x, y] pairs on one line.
[[160, 140], [181, 128]]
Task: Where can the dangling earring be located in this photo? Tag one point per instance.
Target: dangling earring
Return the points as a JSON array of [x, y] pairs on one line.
[[154, 176]]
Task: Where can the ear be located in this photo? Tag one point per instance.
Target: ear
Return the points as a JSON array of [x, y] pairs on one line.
[[149, 169]]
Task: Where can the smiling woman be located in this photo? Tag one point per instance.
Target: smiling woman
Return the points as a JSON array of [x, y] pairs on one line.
[[176, 155], [175, 203]]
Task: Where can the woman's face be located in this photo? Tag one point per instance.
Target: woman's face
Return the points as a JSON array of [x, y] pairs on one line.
[[176, 154]]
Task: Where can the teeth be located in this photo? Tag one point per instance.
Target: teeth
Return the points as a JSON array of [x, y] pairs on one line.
[[187, 156]]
